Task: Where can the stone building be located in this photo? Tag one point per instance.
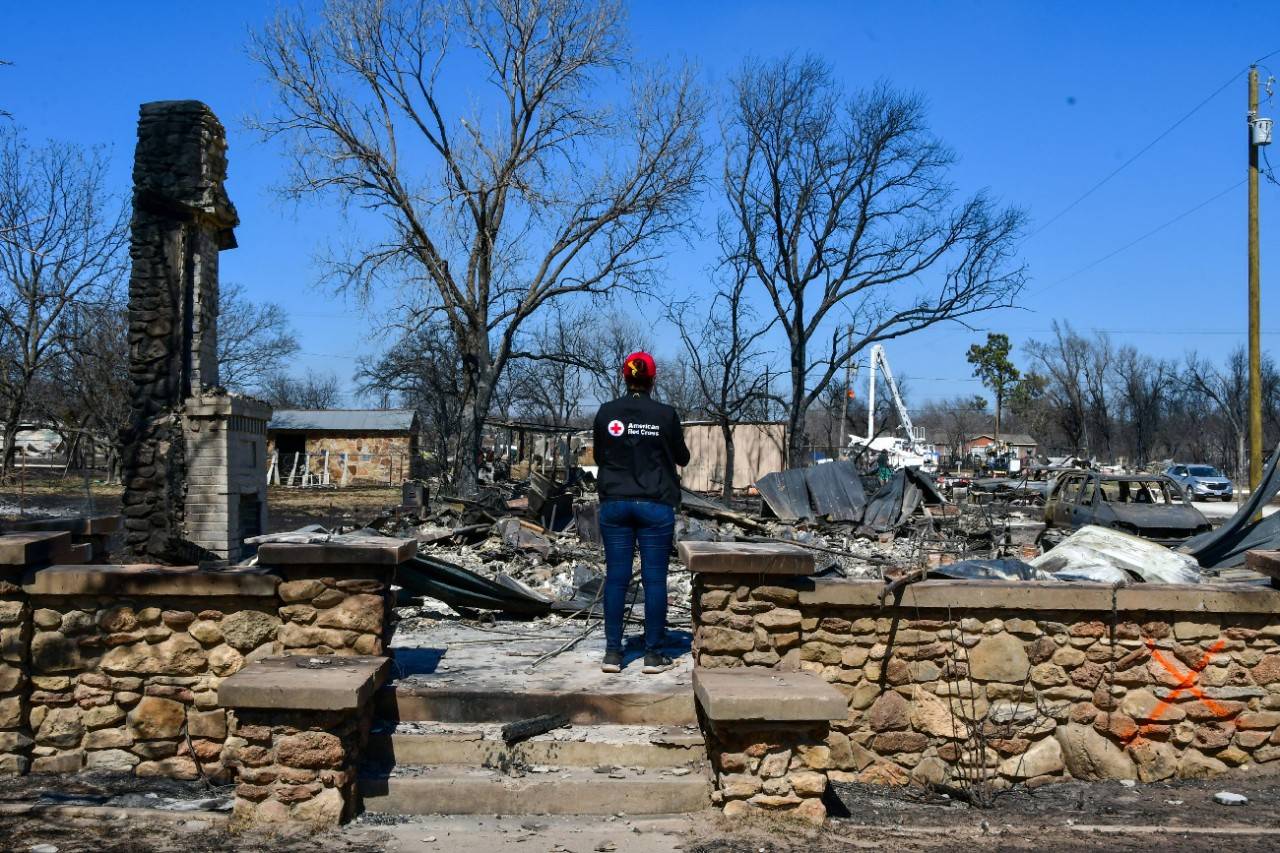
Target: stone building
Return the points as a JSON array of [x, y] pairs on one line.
[[342, 447]]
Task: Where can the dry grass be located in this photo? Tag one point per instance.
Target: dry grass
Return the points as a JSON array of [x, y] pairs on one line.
[[287, 509]]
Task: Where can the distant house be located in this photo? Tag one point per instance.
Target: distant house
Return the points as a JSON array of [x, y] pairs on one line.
[[1022, 445], [340, 447]]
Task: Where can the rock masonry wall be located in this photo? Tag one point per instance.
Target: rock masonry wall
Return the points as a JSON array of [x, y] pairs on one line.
[[15, 686], [296, 767], [996, 696], [129, 682], [326, 615], [773, 767], [370, 458], [131, 685]]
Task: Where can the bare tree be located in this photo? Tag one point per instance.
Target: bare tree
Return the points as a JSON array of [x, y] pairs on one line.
[[540, 192], [61, 241], [550, 383], [678, 387], [91, 373], [955, 422], [1225, 391], [723, 349], [422, 370], [1144, 385], [605, 338], [254, 339], [5, 113], [313, 390], [1063, 362], [842, 205]]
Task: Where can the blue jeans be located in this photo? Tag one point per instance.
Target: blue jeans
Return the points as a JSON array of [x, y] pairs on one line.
[[623, 525]]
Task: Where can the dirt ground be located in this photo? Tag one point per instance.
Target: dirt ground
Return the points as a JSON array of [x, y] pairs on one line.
[[42, 491], [1053, 819]]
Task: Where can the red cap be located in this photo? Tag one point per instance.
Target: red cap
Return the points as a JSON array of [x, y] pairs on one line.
[[639, 369]]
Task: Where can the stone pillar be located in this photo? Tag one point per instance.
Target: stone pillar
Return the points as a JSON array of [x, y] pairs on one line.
[[299, 726], [15, 678], [336, 595], [20, 553]]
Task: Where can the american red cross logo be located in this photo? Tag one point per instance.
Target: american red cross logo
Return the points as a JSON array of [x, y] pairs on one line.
[[616, 428]]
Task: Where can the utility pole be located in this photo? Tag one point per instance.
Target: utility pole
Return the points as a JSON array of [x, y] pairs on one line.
[[1255, 297], [848, 387]]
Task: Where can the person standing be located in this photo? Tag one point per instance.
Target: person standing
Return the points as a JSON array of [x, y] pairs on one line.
[[638, 444]]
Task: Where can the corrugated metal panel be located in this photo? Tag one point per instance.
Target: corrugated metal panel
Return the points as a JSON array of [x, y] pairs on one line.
[[342, 420], [786, 493], [835, 490]]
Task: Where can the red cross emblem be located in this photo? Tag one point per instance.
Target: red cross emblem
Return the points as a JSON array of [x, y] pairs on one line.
[[616, 428]]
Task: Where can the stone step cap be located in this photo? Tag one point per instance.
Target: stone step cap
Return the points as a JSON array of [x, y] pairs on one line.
[[312, 549], [144, 579], [79, 525], [305, 683], [31, 547], [766, 695], [747, 558]]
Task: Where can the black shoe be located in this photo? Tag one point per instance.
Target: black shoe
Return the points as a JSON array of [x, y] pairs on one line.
[[613, 662], [655, 662]]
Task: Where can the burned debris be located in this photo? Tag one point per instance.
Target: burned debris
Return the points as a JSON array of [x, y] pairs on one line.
[[529, 548]]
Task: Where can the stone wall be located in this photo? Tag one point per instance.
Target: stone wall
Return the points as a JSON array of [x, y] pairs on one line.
[[355, 459], [15, 687], [771, 767], [336, 596], [129, 682], [296, 766], [118, 667], [326, 615], [966, 682]]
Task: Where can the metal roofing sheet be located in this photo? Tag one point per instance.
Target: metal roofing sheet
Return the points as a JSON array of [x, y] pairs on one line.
[[342, 420]]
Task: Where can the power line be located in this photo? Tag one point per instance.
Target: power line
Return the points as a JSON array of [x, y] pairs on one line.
[[1144, 148], [1131, 160], [1151, 233]]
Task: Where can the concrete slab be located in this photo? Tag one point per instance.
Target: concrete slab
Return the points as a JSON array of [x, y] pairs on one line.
[[457, 790], [339, 550], [481, 745], [487, 833], [33, 547], [447, 671], [143, 579], [299, 682], [747, 558], [766, 695], [1025, 596], [78, 525], [1264, 563]]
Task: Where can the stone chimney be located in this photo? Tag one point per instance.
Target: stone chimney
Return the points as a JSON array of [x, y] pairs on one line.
[[194, 473]]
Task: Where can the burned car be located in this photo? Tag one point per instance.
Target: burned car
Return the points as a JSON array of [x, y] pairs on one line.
[[1148, 505]]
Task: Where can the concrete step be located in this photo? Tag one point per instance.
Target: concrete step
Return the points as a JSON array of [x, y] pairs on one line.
[[490, 704], [481, 745], [456, 790]]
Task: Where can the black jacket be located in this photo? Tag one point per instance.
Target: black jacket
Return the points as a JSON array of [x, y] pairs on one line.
[[638, 444]]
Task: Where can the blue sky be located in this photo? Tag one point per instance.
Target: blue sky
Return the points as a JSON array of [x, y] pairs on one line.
[[1039, 100]]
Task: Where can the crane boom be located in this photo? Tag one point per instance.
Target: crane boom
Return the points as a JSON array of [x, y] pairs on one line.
[[878, 357]]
